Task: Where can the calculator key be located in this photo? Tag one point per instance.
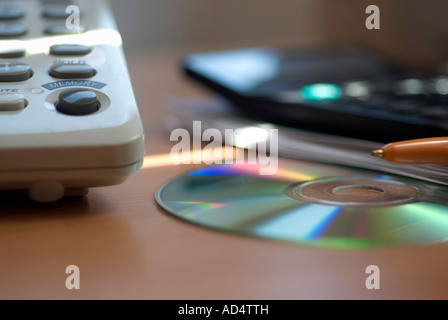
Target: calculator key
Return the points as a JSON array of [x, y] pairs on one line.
[[14, 72], [13, 30], [72, 71], [410, 87], [12, 102], [357, 90], [439, 90], [441, 86], [69, 50], [379, 101], [61, 29], [320, 92]]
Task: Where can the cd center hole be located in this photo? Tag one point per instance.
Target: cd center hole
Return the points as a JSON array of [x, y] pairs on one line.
[[357, 191]]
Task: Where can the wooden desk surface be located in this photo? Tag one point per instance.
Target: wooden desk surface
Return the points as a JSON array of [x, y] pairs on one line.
[[127, 248]]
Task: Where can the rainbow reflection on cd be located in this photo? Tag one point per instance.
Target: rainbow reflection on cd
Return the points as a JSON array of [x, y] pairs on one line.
[[235, 198]]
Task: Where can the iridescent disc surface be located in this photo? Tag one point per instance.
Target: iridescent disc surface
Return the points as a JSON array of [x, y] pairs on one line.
[[311, 204]]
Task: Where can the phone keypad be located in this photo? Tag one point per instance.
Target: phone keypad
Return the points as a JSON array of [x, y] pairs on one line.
[[53, 13], [53, 17]]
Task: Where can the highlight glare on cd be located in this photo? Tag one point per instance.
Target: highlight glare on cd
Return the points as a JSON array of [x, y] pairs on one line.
[[311, 204]]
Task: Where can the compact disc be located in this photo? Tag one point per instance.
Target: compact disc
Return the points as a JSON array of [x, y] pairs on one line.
[[312, 204]]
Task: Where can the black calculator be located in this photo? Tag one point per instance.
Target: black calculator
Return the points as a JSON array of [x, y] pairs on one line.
[[343, 91]]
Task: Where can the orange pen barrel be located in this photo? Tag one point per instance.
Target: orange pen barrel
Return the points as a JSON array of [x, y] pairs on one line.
[[418, 151]]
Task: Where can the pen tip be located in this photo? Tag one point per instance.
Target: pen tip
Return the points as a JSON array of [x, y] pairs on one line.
[[378, 153]]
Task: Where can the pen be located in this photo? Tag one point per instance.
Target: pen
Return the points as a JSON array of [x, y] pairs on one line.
[[417, 151]]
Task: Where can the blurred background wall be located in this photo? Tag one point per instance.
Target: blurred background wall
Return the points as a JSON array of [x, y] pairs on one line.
[[412, 31], [166, 23]]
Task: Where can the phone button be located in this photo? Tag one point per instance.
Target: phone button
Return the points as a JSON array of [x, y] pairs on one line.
[[10, 31], [14, 72], [12, 53], [12, 102], [72, 71], [11, 13], [69, 50], [56, 29], [78, 102], [56, 13]]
